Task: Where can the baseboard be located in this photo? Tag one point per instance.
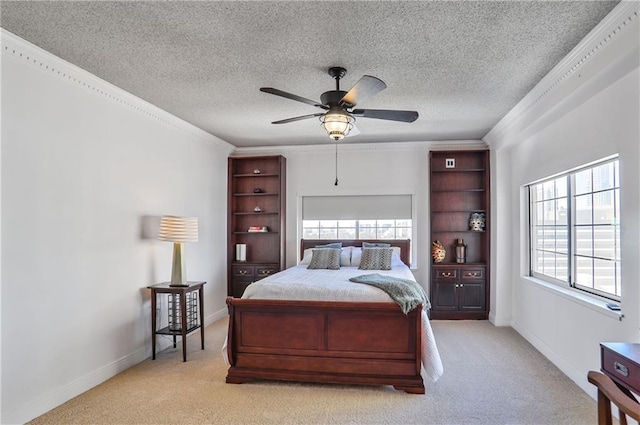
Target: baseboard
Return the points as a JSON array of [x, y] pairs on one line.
[[567, 368], [215, 316], [499, 321], [34, 408]]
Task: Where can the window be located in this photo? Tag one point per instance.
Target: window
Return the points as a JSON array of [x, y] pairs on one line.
[[574, 222], [357, 217], [356, 229]]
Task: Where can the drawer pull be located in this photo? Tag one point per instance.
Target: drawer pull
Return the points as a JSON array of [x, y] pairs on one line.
[[242, 272], [621, 369], [474, 274], [447, 274], [264, 272]]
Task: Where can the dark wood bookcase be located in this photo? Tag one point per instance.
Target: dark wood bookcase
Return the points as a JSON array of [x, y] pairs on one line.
[[256, 199], [459, 187]]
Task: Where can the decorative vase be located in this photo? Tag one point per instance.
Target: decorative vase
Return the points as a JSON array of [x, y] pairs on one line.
[[438, 252], [460, 251], [477, 222]]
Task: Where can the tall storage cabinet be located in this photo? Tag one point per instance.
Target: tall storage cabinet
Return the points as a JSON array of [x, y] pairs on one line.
[[256, 220], [459, 192]]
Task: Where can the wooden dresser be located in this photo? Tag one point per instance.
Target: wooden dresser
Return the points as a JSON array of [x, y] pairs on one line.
[[621, 362]]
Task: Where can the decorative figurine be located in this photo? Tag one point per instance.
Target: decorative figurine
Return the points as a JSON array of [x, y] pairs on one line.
[[477, 222], [438, 252]]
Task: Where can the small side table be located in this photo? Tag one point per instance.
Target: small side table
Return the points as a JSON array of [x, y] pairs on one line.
[[181, 292]]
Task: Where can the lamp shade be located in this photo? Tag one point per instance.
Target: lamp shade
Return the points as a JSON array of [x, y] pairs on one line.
[[337, 124], [178, 229]]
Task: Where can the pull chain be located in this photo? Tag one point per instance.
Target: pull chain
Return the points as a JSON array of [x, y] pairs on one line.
[[336, 183]]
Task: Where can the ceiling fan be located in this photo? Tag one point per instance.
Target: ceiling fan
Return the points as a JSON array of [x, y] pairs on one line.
[[339, 116]]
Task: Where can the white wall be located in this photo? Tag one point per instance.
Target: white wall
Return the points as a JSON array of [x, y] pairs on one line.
[[565, 330], [501, 293], [590, 112], [84, 168]]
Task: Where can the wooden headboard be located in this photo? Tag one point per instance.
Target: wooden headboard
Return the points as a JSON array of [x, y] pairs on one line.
[[403, 244]]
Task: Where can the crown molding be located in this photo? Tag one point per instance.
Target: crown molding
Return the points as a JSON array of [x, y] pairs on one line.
[[364, 147], [32, 55], [610, 47]]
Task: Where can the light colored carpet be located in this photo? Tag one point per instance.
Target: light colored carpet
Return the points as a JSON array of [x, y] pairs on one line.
[[492, 376]]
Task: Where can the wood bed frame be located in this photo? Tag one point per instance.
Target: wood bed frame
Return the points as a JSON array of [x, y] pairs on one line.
[[370, 343]]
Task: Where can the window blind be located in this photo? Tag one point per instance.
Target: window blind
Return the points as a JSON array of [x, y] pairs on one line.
[[361, 207]]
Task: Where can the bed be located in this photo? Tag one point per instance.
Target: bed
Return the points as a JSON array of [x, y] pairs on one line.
[[314, 335]]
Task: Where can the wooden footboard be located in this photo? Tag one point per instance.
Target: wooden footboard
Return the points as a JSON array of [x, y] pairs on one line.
[[317, 341]]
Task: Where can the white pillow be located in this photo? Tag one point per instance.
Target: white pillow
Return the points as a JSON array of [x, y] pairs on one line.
[[356, 256], [345, 256], [395, 256], [306, 256]]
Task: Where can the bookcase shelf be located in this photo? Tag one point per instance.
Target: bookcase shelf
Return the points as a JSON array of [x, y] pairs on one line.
[[248, 190], [459, 187]]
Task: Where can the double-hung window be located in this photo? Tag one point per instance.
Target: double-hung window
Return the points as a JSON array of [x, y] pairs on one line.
[[356, 229], [574, 223]]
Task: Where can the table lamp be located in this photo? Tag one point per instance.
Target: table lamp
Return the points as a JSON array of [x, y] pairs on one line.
[[178, 230]]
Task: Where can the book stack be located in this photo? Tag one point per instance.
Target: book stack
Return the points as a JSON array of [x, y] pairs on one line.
[[258, 229]]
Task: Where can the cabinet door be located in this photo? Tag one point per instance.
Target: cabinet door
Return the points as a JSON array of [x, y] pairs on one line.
[[444, 297], [471, 296], [239, 285], [242, 275]]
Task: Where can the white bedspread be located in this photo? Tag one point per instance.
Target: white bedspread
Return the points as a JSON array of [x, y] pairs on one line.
[[299, 283]]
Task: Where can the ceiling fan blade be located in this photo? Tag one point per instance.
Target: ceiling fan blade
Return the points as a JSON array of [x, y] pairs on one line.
[[366, 87], [302, 117], [293, 97], [386, 114]]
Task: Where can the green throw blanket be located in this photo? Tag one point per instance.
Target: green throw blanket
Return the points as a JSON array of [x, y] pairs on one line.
[[407, 293]]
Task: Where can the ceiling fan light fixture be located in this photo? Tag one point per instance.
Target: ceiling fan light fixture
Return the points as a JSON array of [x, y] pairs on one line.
[[338, 116], [338, 124]]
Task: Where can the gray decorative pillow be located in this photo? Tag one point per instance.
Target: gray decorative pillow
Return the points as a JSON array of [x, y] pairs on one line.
[[325, 258], [375, 245], [376, 259]]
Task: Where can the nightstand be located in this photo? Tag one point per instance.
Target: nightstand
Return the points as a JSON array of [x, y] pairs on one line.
[[620, 361], [184, 311]]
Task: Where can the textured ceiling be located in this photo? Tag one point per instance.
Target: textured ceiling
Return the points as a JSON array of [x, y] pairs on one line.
[[461, 65]]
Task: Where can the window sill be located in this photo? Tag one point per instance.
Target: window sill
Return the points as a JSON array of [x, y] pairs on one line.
[[591, 302]]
